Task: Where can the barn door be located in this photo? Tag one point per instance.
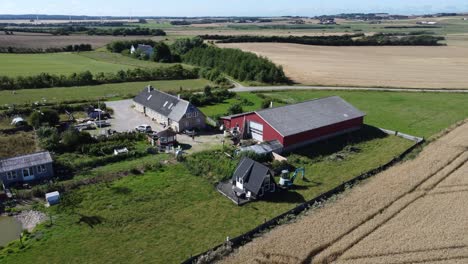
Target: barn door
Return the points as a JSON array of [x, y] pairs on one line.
[[256, 130]]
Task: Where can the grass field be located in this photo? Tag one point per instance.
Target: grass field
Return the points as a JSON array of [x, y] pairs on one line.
[[411, 67], [23, 143], [28, 40], [213, 110], [165, 216], [411, 213], [116, 58], [57, 63], [104, 92]]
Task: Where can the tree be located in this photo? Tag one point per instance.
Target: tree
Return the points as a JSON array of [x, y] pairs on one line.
[[162, 53], [48, 138], [184, 45], [235, 109], [71, 139], [46, 117]]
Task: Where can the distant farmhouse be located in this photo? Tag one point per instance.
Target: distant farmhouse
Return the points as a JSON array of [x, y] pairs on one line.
[[297, 125], [145, 49], [169, 110], [27, 168]]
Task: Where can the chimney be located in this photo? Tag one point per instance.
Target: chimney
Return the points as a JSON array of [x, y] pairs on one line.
[[150, 88]]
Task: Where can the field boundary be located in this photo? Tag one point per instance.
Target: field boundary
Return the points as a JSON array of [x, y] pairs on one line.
[[211, 254]]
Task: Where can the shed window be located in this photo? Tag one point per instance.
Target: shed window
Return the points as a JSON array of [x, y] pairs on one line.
[[11, 175], [41, 169], [27, 172], [189, 115]]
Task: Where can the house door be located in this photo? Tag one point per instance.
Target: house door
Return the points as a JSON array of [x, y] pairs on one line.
[[256, 130], [28, 174]]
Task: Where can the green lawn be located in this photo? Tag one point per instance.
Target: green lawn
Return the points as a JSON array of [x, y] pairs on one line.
[[56, 63], [419, 114], [213, 110], [105, 91], [119, 59], [165, 216]]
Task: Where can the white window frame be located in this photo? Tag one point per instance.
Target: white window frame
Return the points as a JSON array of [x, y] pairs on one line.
[[30, 172], [11, 175]]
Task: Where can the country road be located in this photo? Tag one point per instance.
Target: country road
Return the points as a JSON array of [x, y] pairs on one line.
[[279, 88]]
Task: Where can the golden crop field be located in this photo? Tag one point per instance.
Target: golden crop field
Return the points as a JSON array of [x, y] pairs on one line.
[[414, 212], [410, 67]]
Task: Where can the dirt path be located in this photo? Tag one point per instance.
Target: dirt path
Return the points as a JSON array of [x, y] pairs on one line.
[[238, 89], [413, 212]]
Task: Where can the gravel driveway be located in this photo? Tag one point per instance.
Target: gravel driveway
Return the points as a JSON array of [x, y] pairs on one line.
[[125, 118]]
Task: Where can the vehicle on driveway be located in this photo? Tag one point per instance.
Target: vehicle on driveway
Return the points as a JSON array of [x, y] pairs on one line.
[[143, 128]]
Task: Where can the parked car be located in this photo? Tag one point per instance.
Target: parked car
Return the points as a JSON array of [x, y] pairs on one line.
[[190, 132], [144, 128], [102, 123]]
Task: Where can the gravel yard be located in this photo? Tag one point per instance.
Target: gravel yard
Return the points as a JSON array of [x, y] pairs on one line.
[[125, 118]]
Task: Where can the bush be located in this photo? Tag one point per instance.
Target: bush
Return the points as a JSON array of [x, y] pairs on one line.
[[46, 117], [235, 109]]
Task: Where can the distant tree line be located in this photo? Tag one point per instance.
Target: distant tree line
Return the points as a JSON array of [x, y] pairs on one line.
[[126, 32], [101, 31], [68, 48], [216, 62], [381, 39], [46, 80], [243, 66]]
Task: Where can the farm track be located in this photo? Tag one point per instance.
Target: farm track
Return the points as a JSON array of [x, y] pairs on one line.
[[363, 223], [341, 88]]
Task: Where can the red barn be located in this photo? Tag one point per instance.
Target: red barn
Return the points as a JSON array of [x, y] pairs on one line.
[[298, 124]]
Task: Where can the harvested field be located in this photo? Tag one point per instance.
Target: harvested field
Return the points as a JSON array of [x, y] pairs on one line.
[[28, 40], [414, 212], [411, 67]]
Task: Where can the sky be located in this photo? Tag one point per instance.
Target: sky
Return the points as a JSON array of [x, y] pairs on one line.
[[228, 7]]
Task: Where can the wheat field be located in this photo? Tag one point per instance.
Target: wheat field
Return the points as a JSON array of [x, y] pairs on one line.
[[409, 67], [415, 212]]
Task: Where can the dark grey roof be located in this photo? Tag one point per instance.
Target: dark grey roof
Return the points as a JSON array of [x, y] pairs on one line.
[[163, 103], [166, 133], [253, 173], [145, 48], [265, 147], [296, 118], [234, 116], [25, 161]]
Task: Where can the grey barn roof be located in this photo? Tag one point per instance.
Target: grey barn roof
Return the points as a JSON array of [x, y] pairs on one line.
[[25, 161], [253, 173], [163, 103], [296, 118]]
